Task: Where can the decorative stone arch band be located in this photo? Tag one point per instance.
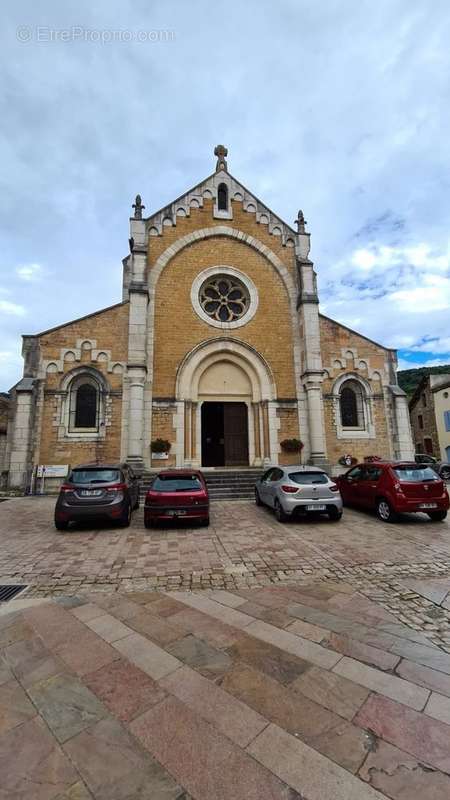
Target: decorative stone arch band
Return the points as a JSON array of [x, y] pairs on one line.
[[261, 408], [365, 431], [76, 376], [286, 278]]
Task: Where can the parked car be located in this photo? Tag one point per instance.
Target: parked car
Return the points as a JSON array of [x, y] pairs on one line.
[[442, 468], [177, 494], [298, 490], [395, 487], [97, 491]]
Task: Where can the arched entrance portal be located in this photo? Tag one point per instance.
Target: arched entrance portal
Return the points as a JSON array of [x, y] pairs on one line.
[[226, 395]]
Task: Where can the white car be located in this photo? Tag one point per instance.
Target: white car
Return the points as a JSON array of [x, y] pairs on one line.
[[298, 490]]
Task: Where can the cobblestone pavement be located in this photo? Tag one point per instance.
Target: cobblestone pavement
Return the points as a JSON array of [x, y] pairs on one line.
[[244, 546], [277, 692]]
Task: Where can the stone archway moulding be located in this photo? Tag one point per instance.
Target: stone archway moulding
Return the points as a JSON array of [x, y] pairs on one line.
[[221, 230], [251, 241], [224, 349], [277, 265]]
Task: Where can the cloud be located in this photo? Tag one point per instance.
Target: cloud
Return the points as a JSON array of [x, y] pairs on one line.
[[12, 308], [383, 257], [432, 295], [29, 272], [361, 150], [404, 363]]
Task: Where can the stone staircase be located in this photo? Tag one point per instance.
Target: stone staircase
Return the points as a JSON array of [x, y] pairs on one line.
[[223, 484]]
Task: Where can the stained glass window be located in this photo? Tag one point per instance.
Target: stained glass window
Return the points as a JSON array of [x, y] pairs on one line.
[[224, 298], [349, 408], [222, 198]]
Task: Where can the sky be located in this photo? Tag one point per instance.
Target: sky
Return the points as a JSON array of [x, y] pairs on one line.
[[339, 107]]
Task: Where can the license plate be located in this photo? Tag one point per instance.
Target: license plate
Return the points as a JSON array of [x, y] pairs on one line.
[[91, 492], [428, 505], [176, 513], [315, 508]]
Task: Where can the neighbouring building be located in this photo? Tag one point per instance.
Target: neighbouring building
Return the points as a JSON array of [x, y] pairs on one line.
[[4, 413], [217, 346], [430, 416]]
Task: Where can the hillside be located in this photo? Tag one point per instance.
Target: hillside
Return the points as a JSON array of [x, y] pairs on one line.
[[410, 378]]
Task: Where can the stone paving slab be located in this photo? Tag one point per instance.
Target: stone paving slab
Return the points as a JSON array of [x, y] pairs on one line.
[[251, 716], [242, 549], [300, 667], [314, 776]]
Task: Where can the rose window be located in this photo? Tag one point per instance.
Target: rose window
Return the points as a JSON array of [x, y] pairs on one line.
[[224, 298]]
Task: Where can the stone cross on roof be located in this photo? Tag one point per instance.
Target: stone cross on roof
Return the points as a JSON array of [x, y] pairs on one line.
[[300, 222], [138, 207], [220, 151]]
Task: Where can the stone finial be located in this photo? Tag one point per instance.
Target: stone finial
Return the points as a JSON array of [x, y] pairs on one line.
[[300, 222], [138, 207], [221, 152]]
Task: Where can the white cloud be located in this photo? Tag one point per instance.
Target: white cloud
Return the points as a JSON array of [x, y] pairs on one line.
[[364, 259], [431, 345], [432, 295], [29, 272], [12, 308], [403, 363], [382, 257]]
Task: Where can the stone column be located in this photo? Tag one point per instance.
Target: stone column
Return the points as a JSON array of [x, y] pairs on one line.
[[137, 379], [316, 422], [187, 430], [265, 431], [136, 376], [257, 429], [194, 454], [20, 448], [137, 373], [312, 371], [404, 445]]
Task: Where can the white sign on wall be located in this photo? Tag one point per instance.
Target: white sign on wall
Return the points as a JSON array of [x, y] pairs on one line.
[[52, 470], [160, 456]]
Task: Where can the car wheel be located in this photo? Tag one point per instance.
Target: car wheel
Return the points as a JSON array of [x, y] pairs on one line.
[[126, 516], [384, 510], [258, 500], [445, 473], [334, 514], [279, 513], [437, 516], [148, 522], [61, 526]]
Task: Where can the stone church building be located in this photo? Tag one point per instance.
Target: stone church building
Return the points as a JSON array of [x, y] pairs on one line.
[[217, 346]]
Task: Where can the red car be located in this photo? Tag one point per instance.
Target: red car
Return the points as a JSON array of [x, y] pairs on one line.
[[395, 487], [177, 494]]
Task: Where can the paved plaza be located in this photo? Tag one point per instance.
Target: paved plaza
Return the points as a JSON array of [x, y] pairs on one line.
[[247, 661]]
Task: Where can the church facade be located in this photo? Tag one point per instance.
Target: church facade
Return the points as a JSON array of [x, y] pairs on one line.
[[217, 348]]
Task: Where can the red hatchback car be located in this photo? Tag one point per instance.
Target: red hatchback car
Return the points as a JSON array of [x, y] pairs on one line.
[[395, 487], [177, 494]]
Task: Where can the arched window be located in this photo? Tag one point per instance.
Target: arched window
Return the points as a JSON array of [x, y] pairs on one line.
[[222, 197], [84, 404], [351, 402]]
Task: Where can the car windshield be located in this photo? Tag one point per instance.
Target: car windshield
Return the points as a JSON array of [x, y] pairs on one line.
[[308, 477], [180, 483], [415, 474], [94, 476]]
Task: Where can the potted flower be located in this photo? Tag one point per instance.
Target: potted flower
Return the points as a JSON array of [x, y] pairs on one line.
[[291, 445], [347, 460], [160, 448]]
